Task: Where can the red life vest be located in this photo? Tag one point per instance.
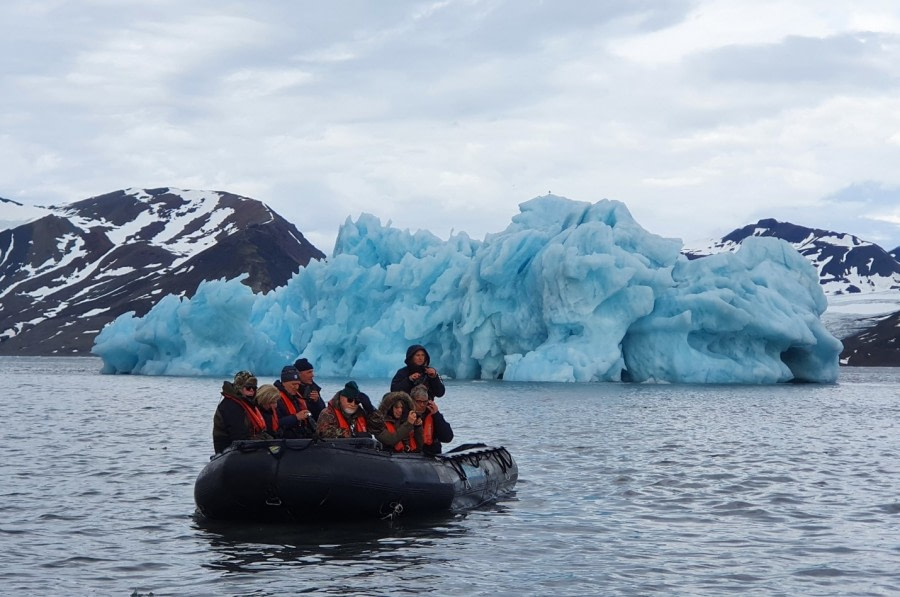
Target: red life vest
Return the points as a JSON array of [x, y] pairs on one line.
[[400, 446], [428, 430], [274, 418], [289, 404], [257, 423], [359, 422]]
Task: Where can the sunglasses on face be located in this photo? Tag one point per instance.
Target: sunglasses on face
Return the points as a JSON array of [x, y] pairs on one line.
[[350, 400], [248, 387]]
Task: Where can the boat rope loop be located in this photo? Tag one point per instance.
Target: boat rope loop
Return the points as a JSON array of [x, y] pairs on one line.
[[457, 467], [396, 509], [276, 448], [299, 448], [499, 455], [503, 458], [272, 498]]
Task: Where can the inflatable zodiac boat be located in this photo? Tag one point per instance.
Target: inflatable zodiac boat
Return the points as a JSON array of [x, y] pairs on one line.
[[306, 479]]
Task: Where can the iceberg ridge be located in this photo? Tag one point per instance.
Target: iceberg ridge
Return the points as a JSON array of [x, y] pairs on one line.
[[570, 291]]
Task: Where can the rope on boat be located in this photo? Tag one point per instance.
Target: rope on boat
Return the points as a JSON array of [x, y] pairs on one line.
[[274, 447], [272, 497], [396, 510], [504, 459], [277, 449], [456, 460]]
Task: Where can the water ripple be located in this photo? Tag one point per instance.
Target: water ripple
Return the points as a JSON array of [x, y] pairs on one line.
[[660, 489]]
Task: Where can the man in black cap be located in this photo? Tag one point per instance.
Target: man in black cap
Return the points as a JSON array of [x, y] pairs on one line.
[[294, 416], [344, 417], [309, 389]]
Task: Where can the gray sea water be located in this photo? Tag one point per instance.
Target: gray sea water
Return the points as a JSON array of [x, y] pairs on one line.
[[624, 490]]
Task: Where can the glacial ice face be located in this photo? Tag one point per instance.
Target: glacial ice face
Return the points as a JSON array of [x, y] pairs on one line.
[[570, 291]]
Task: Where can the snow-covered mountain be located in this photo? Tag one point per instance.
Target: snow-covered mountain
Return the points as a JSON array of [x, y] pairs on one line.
[[846, 264], [860, 279], [13, 213], [68, 270]]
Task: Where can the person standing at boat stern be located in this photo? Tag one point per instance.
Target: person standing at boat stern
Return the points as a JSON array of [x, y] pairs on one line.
[[402, 430], [418, 371], [344, 417], [435, 429], [294, 419], [237, 416]]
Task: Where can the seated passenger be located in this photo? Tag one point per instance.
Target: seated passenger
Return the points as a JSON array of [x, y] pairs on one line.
[[343, 417], [237, 416], [311, 391], [294, 419], [418, 371], [435, 429], [402, 427], [267, 397]]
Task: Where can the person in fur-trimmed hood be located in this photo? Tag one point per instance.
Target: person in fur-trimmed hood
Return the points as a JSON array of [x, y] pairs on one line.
[[402, 430], [418, 371]]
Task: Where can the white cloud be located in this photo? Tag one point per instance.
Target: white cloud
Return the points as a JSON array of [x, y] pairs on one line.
[[716, 24], [700, 116]]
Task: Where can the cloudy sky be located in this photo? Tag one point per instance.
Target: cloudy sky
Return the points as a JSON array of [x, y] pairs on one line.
[[701, 116]]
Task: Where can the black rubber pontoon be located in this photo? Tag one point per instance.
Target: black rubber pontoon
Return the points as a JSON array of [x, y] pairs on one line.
[[348, 478]]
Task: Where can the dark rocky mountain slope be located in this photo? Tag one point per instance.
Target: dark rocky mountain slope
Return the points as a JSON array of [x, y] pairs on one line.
[[68, 273], [878, 346]]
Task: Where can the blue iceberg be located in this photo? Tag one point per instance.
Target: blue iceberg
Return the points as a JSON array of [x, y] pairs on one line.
[[569, 292]]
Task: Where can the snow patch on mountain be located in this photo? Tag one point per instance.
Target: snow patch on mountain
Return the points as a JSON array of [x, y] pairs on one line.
[[13, 213], [861, 280]]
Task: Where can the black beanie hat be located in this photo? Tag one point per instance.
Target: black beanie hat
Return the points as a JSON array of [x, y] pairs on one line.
[[290, 373], [302, 364], [351, 390]]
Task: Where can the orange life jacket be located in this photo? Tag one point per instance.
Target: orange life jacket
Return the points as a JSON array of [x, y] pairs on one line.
[[401, 446], [359, 422], [274, 418], [428, 430], [257, 423], [289, 404]]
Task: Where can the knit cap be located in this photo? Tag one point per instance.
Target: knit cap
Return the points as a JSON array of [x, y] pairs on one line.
[[351, 390], [290, 373], [302, 364], [242, 377]]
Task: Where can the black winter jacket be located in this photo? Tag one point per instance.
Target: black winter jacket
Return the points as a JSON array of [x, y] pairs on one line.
[[402, 383]]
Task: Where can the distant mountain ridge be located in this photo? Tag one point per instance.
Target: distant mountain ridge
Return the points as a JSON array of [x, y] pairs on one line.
[[76, 267], [847, 265], [72, 269]]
